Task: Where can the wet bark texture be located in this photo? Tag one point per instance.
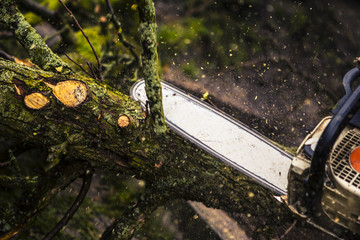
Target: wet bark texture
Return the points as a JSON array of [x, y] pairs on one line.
[[90, 137]]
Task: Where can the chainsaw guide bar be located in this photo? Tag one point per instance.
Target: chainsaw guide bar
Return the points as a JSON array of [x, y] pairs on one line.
[[222, 136]]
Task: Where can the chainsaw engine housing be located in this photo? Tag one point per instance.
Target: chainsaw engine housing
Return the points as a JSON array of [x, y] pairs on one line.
[[324, 177], [339, 209]]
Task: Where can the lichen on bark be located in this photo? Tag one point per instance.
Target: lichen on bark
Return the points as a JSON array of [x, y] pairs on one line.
[[147, 32], [39, 52]]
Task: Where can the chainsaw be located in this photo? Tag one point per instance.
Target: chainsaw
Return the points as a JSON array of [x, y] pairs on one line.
[[321, 183]]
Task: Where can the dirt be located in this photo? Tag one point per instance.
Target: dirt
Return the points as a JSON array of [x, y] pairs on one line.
[[283, 92], [285, 89]]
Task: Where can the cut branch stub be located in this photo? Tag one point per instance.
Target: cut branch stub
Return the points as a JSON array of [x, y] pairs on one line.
[[123, 121], [36, 101], [71, 93]]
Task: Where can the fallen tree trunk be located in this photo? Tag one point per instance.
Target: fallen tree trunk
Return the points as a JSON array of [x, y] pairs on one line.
[[86, 124], [89, 133]]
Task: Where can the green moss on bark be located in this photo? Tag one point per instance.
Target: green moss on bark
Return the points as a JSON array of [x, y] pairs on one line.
[[147, 31], [39, 52], [95, 119], [172, 167]]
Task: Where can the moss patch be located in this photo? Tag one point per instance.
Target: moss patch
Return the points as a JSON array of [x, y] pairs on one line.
[[97, 40]]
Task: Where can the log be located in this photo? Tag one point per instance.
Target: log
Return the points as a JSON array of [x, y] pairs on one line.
[[171, 167]]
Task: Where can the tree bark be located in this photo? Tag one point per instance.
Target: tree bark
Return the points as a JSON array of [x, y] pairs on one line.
[[172, 167]]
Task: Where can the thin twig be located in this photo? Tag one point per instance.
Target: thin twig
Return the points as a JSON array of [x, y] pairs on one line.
[[75, 206], [211, 103], [7, 56], [6, 35], [5, 164], [87, 39], [91, 68], [108, 3], [79, 65], [289, 229]]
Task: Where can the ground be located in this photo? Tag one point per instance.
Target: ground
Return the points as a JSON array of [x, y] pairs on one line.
[[286, 85]]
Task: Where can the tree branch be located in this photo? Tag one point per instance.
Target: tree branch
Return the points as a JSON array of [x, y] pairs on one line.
[[39, 52], [34, 200], [134, 216], [17, 181], [147, 31], [74, 207], [40, 10], [7, 56]]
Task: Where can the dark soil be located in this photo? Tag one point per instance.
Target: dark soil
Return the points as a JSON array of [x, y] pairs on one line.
[[290, 82], [296, 54]]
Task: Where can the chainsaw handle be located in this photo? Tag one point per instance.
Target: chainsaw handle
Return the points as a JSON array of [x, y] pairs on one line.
[[348, 80]]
